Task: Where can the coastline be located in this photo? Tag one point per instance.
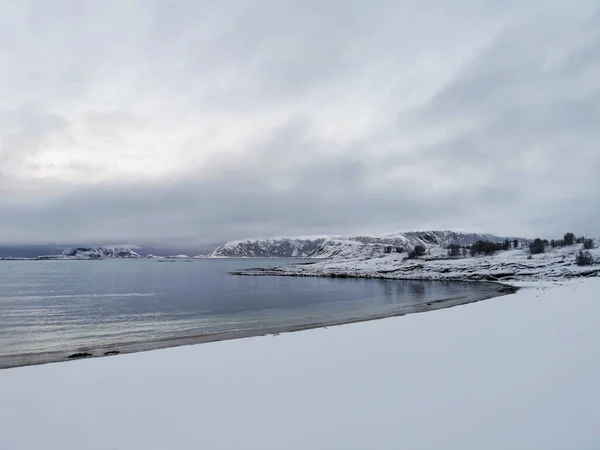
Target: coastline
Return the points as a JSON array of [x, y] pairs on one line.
[[13, 361], [511, 266], [458, 375]]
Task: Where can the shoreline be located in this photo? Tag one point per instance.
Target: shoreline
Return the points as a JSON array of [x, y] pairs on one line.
[[78, 353], [460, 375], [510, 266]]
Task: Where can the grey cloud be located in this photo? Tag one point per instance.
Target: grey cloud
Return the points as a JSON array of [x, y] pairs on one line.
[[25, 131], [507, 145], [227, 208], [325, 194]]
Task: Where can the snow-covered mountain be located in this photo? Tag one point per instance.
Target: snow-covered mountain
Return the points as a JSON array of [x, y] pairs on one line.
[[347, 246], [95, 253], [281, 247]]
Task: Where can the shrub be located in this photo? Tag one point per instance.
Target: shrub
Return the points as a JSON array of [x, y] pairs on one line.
[[536, 247], [584, 258], [588, 244], [453, 250], [419, 250], [569, 239], [391, 249], [486, 247]]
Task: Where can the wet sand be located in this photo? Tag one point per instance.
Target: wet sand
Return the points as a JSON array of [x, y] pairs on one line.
[[72, 354]]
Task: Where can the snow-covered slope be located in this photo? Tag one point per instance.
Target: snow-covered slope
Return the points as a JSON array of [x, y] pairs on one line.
[[347, 246], [512, 265]]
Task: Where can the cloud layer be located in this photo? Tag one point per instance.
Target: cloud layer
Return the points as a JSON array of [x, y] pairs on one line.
[[192, 122]]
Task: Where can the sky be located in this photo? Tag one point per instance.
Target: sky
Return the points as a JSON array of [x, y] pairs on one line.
[[195, 121]]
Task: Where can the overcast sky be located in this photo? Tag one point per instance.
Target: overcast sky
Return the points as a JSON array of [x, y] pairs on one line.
[[200, 121]]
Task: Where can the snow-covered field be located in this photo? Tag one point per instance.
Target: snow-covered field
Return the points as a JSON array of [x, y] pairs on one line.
[[511, 265], [513, 372]]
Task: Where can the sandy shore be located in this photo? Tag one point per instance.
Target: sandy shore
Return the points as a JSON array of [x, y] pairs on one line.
[[10, 361]]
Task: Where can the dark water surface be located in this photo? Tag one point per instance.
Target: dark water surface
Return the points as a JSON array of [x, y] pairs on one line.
[[49, 306]]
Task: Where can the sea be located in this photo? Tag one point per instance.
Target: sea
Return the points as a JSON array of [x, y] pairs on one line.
[[50, 306]]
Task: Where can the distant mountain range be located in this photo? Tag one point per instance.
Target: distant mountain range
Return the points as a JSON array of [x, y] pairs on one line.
[[93, 253], [36, 251], [280, 247]]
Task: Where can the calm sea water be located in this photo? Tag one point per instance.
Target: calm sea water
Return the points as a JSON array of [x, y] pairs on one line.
[[60, 305]]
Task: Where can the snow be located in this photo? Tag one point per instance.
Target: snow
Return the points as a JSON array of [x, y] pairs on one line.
[[511, 265], [513, 372]]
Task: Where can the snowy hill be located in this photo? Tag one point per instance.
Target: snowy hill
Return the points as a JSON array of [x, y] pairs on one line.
[[347, 246], [282, 247], [95, 253], [515, 265]]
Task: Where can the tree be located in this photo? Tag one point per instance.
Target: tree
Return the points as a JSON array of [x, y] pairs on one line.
[[516, 243], [588, 244], [584, 258], [553, 243], [419, 250], [506, 245], [453, 250], [569, 238], [536, 247], [486, 247], [465, 252]]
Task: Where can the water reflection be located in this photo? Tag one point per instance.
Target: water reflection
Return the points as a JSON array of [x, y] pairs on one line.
[[52, 304]]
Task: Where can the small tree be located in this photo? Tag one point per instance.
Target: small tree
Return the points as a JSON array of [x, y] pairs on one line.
[[588, 244], [536, 247], [569, 238], [553, 243], [419, 250], [516, 243], [453, 250], [506, 245], [584, 258], [486, 247]]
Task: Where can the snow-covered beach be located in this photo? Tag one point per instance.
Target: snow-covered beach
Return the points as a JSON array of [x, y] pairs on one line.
[[516, 265], [517, 372]]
